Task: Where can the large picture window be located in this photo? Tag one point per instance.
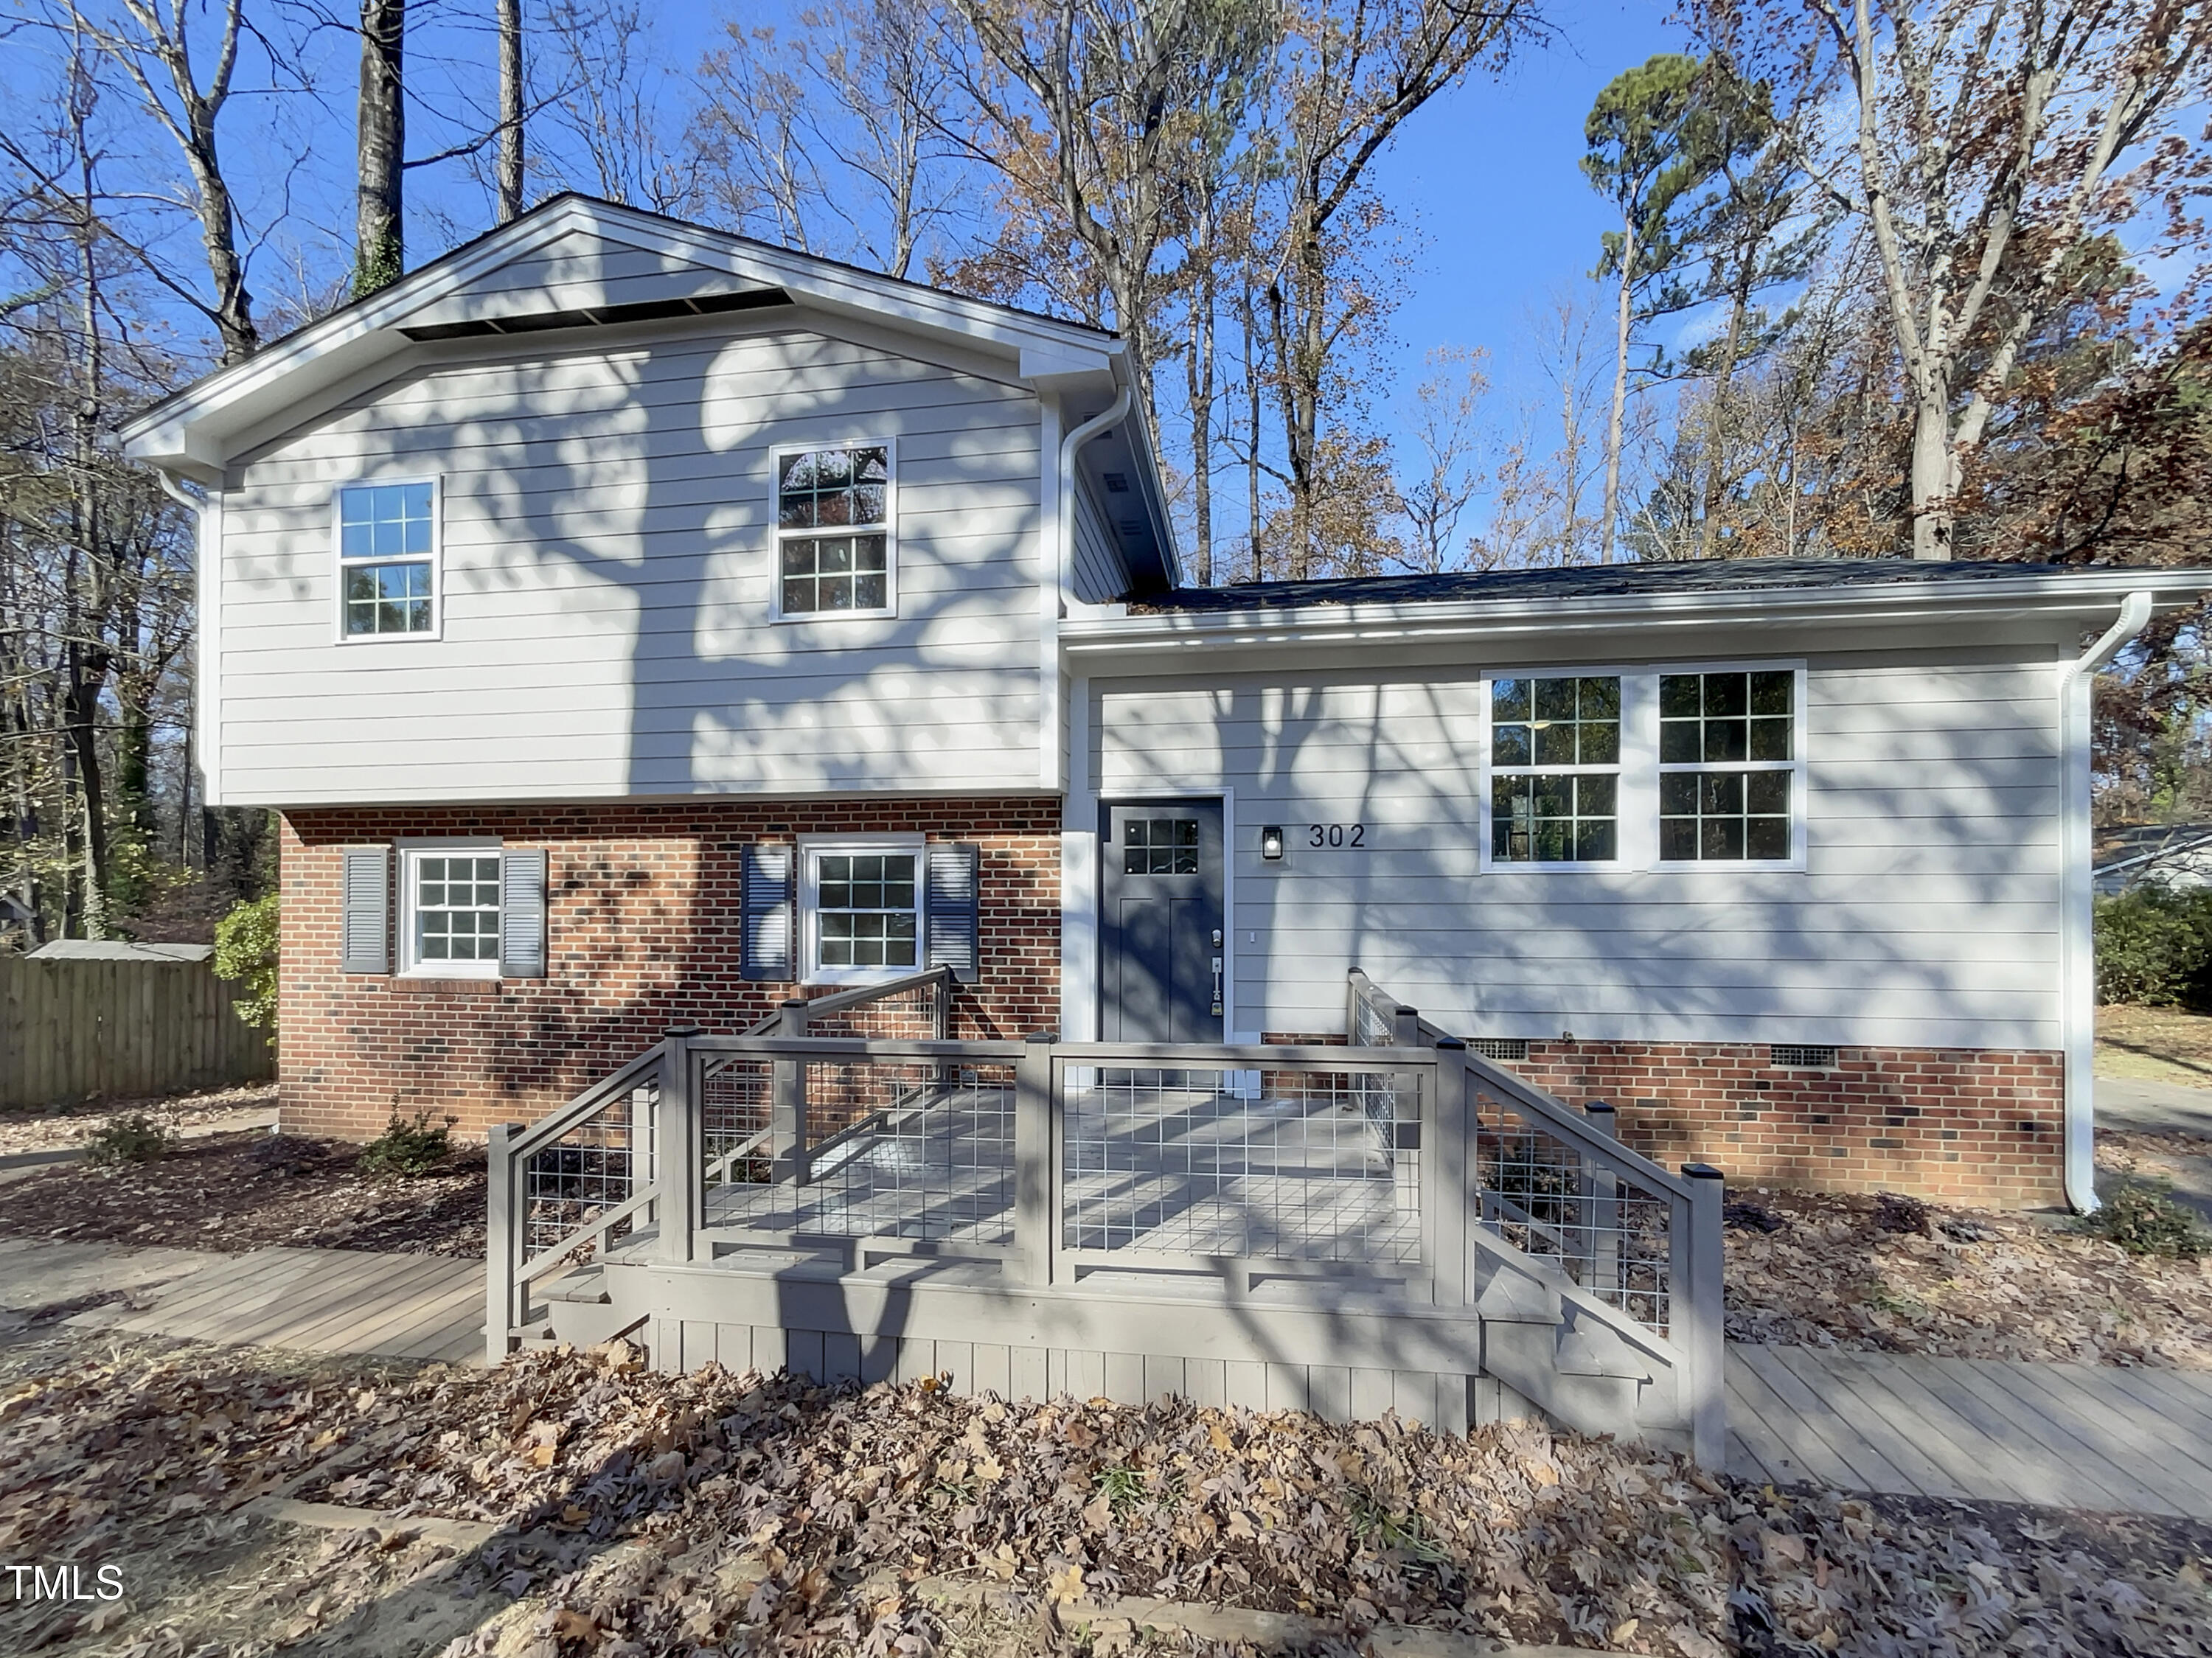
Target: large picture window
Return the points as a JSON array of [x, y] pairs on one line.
[[833, 516], [387, 560], [863, 905], [451, 912], [1727, 766], [1555, 770]]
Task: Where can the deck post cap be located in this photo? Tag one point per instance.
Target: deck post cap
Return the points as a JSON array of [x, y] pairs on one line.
[[681, 1031], [1042, 1036], [1456, 1044], [1701, 1171]]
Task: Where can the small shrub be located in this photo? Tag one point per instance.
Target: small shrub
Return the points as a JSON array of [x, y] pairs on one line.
[[408, 1148], [245, 950], [2143, 1220], [134, 1138], [2154, 948]]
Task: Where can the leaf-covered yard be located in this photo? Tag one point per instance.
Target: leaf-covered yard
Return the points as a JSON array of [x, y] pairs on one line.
[[645, 1515]]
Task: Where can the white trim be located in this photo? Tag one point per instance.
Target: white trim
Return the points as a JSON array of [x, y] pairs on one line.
[[436, 560], [776, 532], [1079, 962], [805, 889], [1052, 510], [410, 853], [207, 609]]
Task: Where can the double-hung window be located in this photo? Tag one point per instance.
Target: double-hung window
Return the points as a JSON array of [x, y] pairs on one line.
[[387, 560], [450, 912], [834, 541], [1727, 766], [1555, 770], [862, 911]]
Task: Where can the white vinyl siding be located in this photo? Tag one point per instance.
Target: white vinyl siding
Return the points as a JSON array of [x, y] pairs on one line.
[[1101, 573], [1927, 913], [608, 563]]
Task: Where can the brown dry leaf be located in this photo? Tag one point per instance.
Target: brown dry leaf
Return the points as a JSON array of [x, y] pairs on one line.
[[1064, 1586]]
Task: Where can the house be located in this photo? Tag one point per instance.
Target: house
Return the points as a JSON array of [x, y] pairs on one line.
[[640, 626]]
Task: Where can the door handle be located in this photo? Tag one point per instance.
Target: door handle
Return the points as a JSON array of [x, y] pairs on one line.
[[1217, 981]]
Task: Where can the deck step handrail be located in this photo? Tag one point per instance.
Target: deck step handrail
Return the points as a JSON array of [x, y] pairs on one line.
[[558, 1122]]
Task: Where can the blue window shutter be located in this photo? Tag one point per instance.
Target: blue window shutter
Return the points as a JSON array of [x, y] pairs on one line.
[[365, 905], [770, 944], [522, 914], [951, 909]]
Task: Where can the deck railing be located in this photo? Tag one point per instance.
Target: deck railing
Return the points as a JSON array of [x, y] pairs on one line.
[[1400, 1161]]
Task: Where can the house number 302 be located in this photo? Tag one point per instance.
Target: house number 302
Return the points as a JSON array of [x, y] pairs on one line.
[[1336, 835]]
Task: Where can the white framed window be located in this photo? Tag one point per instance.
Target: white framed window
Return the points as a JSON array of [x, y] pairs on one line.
[[860, 907], [835, 543], [1554, 776], [449, 909], [386, 536], [1731, 784]]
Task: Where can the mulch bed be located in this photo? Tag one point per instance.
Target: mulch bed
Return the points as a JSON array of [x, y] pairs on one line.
[[1878, 1273], [249, 1191], [1513, 1532], [61, 1125]]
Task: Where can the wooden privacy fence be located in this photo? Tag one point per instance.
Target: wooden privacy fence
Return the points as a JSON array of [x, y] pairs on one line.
[[69, 1029]]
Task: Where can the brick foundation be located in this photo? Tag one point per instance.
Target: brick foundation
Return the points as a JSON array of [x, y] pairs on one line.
[[1979, 1127], [642, 933]]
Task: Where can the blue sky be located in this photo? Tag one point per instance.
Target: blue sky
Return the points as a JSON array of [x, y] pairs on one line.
[[1491, 172]]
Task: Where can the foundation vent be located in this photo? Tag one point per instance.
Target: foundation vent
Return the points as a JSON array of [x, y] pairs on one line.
[[1795, 1057], [1499, 1047]]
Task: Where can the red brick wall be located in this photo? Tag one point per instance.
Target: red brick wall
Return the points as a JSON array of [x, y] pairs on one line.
[[642, 933], [1972, 1125]]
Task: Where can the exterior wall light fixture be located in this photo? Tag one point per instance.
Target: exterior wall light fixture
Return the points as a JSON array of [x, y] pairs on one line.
[[1270, 843]]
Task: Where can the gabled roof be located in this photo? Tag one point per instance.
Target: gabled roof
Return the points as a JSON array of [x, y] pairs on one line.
[[193, 431]]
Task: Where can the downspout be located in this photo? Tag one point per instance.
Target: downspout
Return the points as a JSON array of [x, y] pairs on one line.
[[205, 623], [2077, 961], [1053, 587]]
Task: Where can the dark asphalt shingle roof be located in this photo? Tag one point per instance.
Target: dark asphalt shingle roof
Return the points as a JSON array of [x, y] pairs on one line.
[[1593, 581]]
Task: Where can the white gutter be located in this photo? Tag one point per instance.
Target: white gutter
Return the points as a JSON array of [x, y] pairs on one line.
[[1052, 587], [207, 620], [2077, 959]]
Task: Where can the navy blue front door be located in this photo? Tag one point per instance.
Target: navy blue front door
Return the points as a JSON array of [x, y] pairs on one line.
[[1164, 914]]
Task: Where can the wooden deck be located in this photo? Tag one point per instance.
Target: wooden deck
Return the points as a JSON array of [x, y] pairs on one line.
[[2068, 1435], [329, 1300]]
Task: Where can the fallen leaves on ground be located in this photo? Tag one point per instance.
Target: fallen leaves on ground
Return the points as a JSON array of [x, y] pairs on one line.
[[248, 1191], [1825, 1270], [643, 1513], [58, 1127]]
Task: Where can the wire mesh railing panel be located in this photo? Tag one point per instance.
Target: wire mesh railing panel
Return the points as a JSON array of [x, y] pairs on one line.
[[904, 1016], [1609, 1233], [598, 1165], [1374, 1020], [1275, 1162], [915, 1150], [734, 1097]]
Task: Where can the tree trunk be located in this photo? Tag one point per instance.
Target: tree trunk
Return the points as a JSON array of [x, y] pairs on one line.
[[1708, 525], [1199, 377], [379, 197], [510, 109], [1934, 473], [1613, 431]]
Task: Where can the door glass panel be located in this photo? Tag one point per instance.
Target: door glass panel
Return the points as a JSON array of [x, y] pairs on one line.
[[1159, 846]]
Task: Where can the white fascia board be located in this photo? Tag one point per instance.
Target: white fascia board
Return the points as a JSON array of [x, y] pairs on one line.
[[2088, 596]]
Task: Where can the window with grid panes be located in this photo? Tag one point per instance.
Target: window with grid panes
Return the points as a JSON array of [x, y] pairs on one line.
[[867, 912], [386, 547], [1555, 770], [833, 529], [453, 911], [1159, 846], [1728, 765]]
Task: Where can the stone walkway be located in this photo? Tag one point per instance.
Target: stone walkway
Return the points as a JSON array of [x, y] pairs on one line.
[[2090, 1437]]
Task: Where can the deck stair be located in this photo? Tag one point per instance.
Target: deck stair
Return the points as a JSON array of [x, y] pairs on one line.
[[1391, 1223]]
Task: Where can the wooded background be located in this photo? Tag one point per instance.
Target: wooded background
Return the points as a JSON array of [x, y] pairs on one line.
[[1943, 263]]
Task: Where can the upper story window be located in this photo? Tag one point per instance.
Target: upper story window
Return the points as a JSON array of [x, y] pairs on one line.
[[1555, 770], [833, 542], [387, 560], [1727, 766]]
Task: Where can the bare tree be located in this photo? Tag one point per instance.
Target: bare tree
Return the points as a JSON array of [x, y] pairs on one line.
[[156, 53], [380, 125], [510, 109], [1987, 142], [1445, 428]]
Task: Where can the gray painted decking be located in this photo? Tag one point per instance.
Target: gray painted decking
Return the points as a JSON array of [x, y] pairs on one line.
[[2071, 1435]]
